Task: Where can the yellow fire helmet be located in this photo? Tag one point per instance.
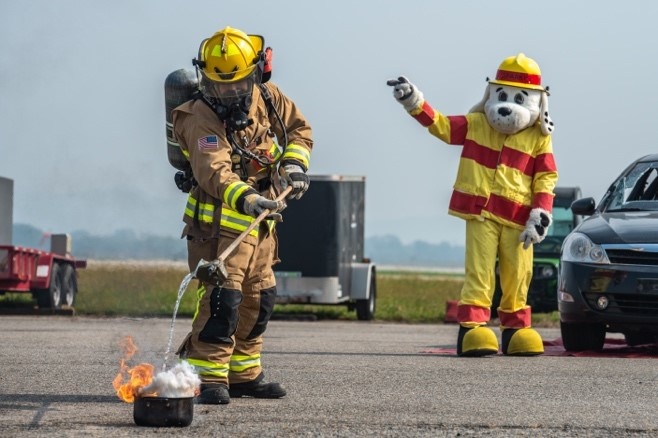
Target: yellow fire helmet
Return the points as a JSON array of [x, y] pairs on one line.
[[519, 71], [230, 55]]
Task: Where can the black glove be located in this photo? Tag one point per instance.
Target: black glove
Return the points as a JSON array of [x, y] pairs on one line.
[[185, 180], [295, 176], [255, 204]]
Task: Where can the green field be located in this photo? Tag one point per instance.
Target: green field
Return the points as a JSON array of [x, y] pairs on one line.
[[151, 289]]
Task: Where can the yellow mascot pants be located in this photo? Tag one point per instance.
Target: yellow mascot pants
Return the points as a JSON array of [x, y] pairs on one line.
[[487, 240]]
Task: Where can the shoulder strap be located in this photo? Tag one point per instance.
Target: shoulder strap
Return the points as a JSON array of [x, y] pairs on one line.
[[267, 97]]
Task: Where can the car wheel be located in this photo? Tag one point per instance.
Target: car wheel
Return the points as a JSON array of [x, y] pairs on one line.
[[582, 336]]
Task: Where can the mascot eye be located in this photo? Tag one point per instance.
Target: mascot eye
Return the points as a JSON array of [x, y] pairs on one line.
[[518, 98], [502, 96]]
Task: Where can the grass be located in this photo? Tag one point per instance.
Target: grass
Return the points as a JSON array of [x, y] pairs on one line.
[[151, 290]]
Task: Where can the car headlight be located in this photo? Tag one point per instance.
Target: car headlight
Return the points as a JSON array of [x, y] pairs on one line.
[[578, 247]]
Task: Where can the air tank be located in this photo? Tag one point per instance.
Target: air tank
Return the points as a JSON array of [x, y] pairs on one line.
[[180, 86]]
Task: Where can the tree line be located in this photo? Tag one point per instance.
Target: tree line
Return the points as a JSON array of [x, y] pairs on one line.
[[128, 244]]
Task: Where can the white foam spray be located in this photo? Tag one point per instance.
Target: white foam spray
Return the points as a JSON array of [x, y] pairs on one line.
[[178, 382]]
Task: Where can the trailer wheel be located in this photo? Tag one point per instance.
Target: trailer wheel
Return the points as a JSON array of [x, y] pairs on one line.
[[69, 286], [365, 309], [51, 298]]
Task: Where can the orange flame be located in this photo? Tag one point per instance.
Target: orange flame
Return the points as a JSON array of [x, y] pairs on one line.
[[136, 377]]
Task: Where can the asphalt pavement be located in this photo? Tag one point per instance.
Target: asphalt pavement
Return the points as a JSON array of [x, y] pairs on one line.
[[343, 379]]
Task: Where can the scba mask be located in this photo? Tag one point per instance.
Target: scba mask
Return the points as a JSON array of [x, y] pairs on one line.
[[231, 100]]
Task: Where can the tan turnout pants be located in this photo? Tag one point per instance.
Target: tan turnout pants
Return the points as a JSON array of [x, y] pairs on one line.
[[225, 342]]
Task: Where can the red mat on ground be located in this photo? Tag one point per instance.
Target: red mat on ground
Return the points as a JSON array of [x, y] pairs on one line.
[[611, 348]]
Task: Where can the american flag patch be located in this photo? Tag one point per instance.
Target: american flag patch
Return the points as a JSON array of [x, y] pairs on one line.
[[209, 143]]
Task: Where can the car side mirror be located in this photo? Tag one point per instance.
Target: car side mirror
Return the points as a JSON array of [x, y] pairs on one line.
[[584, 207]]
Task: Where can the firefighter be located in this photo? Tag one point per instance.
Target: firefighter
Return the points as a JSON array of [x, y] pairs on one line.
[[245, 141], [504, 191]]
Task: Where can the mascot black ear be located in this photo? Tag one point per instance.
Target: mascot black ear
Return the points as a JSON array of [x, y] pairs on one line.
[[545, 122]]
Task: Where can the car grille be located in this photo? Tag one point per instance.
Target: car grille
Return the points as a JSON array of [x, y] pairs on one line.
[[627, 304], [631, 257]]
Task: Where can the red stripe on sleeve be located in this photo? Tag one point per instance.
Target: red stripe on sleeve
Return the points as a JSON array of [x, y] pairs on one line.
[[543, 200], [545, 163], [426, 116], [458, 129]]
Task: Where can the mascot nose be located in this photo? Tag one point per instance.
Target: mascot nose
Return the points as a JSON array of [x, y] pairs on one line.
[[504, 111]]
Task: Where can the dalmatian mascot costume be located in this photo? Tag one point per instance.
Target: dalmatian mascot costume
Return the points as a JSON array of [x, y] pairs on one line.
[[504, 191]]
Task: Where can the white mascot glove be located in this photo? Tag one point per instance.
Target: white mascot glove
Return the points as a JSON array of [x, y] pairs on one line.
[[295, 176], [406, 93], [255, 204], [535, 228]]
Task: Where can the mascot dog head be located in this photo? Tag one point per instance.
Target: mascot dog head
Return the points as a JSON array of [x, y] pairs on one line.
[[515, 100]]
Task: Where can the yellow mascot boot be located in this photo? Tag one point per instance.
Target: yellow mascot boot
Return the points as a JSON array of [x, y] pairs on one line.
[[522, 342], [476, 342]]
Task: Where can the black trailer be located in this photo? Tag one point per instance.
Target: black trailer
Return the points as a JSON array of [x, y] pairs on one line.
[[321, 247]]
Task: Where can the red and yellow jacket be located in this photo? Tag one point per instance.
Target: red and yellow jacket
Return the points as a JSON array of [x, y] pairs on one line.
[[500, 177]]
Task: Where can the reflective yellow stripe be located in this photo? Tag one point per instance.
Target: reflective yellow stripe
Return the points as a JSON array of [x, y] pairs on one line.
[[200, 292], [205, 210], [206, 368], [274, 155], [275, 152], [238, 222], [230, 219], [240, 362], [233, 193], [297, 153]]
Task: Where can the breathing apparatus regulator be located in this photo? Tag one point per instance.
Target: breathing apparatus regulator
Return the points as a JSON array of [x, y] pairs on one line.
[[228, 67]]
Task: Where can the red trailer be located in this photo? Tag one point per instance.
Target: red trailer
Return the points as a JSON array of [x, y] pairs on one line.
[[50, 276]]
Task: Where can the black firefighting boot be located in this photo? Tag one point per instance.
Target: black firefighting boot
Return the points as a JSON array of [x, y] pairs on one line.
[[257, 388], [213, 394]]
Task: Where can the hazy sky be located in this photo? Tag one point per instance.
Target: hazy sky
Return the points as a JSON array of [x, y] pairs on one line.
[[82, 119]]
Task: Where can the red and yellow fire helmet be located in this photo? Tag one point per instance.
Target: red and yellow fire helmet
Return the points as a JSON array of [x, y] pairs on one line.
[[519, 71]]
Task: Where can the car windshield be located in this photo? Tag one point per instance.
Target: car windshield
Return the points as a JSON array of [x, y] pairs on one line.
[[635, 190]]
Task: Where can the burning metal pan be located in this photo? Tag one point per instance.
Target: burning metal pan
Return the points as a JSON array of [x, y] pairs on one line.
[[163, 411]]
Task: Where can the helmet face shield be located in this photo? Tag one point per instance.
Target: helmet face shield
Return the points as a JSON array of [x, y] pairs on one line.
[[229, 93]]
